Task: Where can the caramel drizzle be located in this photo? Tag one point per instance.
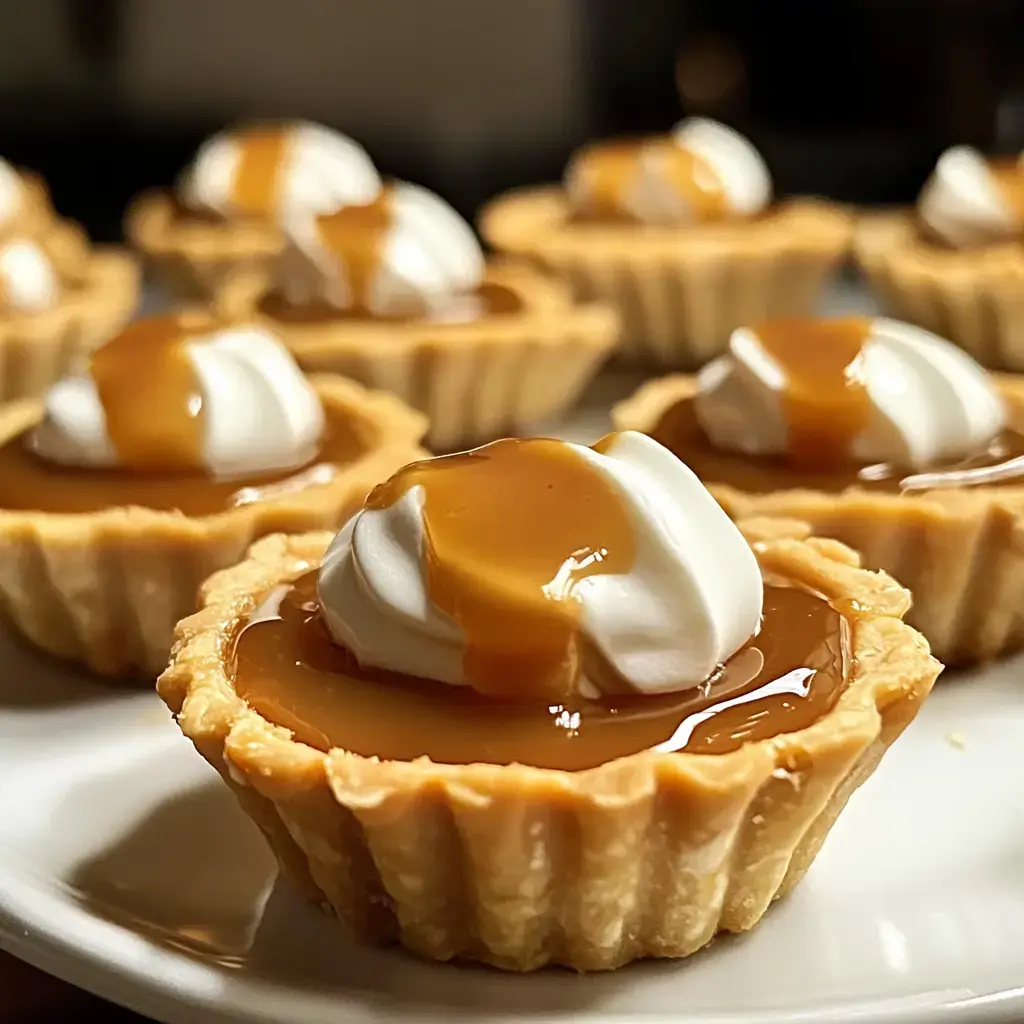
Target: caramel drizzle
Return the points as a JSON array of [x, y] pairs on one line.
[[510, 531], [355, 236], [1009, 177], [150, 395], [609, 171], [825, 402], [261, 157]]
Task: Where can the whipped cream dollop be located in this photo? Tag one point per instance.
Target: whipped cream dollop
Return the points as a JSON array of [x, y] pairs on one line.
[[260, 414], [649, 183], [691, 599], [407, 253], [28, 279], [304, 168], [929, 400], [964, 202]]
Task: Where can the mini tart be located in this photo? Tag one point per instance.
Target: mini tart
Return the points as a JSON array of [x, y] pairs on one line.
[[475, 379], [192, 254], [680, 290], [649, 855], [100, 294], [959, 551], [106, 588], [974, 297]]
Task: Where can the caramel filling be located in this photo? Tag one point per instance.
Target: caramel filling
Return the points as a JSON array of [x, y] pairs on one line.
[[609, 170], [1009, 177], [287, 669], [257, 183], [680, 431], [510, 530], [150, 395], [487, 300], [29, 483]]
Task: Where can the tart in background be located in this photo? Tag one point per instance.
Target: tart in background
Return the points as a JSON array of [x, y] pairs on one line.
[[679, 234]]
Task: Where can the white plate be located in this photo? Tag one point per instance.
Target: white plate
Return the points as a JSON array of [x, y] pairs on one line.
[[126, 868]]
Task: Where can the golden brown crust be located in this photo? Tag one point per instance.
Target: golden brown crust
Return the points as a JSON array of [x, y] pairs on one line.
[[680, 291], [474, 380], [106, 588], [971, 296], [193, 256], [650, 855], [960, 552]]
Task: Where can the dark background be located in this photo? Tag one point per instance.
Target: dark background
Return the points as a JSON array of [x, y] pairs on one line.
[[848, 98]]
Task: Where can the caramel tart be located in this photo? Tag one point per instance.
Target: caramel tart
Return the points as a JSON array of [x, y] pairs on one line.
[[464, 828]]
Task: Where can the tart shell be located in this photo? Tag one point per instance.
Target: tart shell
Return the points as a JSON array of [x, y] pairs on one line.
[[474, 380], [974, 297], [959, 551], [680, 291], [647, 856], [105, 589], [192, 256]]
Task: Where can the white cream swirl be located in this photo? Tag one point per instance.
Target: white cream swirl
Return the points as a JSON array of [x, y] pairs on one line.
[[426, 257], [29, 282], [11, 194], [260, 413], [930, 401], [692, 598], [650, 186], [321, 170], [963, 203]]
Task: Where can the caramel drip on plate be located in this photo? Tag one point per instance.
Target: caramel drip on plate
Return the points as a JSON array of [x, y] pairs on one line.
[[1009, 175], [261, 157], [150, 393], [356, 236], [784, 679], [824, 401], [679, 430], [510, 531], [609, 170]]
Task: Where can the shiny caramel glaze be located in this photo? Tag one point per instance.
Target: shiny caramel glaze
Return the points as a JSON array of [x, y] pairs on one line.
[[29, 483], [288, 670], [680, 431], [1009, 175], [510, 530], [486, 300], [609, 168], [261, 157], [150, 394], [824, 401]]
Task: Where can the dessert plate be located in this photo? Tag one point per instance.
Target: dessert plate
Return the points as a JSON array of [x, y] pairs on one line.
[[126, 869]]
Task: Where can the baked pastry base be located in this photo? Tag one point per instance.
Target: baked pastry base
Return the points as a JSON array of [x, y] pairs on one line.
[[192, 256], [105, 589], [974, 297], [959, 551], [680, 291], [647, 856], [475, 380]]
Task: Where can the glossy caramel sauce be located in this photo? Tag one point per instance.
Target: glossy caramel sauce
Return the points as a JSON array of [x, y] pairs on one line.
[[784, 679], [824, 401], [150, 394], [609, 170], [261, 159], [511, 529], [680, 431], [29, 483], [1009, 176], [487, 300]]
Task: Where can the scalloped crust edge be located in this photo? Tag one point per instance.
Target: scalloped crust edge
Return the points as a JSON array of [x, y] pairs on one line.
[[519, 867], [105, 589]]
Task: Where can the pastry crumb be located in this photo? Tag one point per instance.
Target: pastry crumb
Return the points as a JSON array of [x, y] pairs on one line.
[[956, 740]]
